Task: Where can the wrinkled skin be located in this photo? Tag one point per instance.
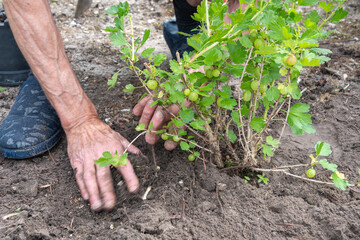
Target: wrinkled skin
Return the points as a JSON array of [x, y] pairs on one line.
[[86, 143]]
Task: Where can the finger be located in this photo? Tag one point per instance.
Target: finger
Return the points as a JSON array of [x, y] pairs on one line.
[[106, 187], [132, 148], [92, 187], [139, 108], [129, 176], [79, 176], [170, 145], [160, 118], [147, 113]]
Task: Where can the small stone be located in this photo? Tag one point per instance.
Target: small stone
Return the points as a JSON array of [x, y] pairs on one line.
[[221, 186]]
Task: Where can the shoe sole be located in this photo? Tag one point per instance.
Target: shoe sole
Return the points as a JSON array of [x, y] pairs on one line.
[[34, 150]]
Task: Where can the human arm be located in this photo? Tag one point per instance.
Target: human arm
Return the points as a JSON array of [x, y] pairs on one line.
[[41, 44]]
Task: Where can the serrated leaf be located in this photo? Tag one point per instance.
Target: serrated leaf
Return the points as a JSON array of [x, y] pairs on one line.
[[257, 123], [110, 29], [129, 88], [237, 52], [145, 37], [271, 141], [236, 118], [159, 59], [245, 41], [330, 166], [322, 149], [267, 150], [117, 38], [147, 52], [122, 160], [198, 124], [227, 103], [107, 155], [187, 115], [310, 63], [273, 93], [307, 2], [339, 181], [140, 127], [112, 81], [266, 50], [176, 67], [298, 119], [232, 136], [338, 15], [184, 146], [177, 123], [327, 7], [197, 154]]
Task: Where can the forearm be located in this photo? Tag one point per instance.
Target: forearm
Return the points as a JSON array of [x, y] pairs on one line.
[[41, 44]]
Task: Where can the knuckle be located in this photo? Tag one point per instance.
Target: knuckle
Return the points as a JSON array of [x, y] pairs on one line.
[[89, 174]]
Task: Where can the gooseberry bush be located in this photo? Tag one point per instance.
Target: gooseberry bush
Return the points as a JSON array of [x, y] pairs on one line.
[[263, 50]]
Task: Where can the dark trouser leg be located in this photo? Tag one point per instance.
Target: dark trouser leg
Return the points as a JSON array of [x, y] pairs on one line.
[[184, 23]]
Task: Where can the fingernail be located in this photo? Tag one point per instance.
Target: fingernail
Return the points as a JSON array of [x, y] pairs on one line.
[[109, 204], [86, 197], [159, 115], [96, 205], [133, 188]]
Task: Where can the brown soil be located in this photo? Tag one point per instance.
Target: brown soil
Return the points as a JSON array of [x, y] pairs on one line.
[[187, 200]]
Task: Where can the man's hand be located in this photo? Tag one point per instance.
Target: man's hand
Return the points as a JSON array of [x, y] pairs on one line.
[[159, 116], [86, 143]]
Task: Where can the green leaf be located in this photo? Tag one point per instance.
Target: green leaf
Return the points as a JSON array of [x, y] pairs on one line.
[[330, 166], [310, 63], [198, 124], [207, 101], [271, 141], [339, 181], [147, 52], [145, 37], [232, 136], [273, 93], [322, 149], [257, 123], [338, 15], [159, 59], [267, 150], [245, 41], [140, 127], [184, 146], [112, 81], [227, 103], [117, 38], [186, 114], [236, 118], [298, 120], [176, 67], [129, 88], [307, 2], [212, 56], [266, 50], [110, 29], [2, 89], [122, 160], [327, 7], [177, 123], [237, 52]]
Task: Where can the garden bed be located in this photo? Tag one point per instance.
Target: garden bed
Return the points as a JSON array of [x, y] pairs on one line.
[[190, 200]]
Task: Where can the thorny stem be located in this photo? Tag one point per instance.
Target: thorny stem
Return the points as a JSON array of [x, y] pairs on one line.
[[285, 123]]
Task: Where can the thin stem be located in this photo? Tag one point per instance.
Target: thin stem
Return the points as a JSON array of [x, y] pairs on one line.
[[207, 18], [126, 149], [293, 175], [285, 123], [132, 39]]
